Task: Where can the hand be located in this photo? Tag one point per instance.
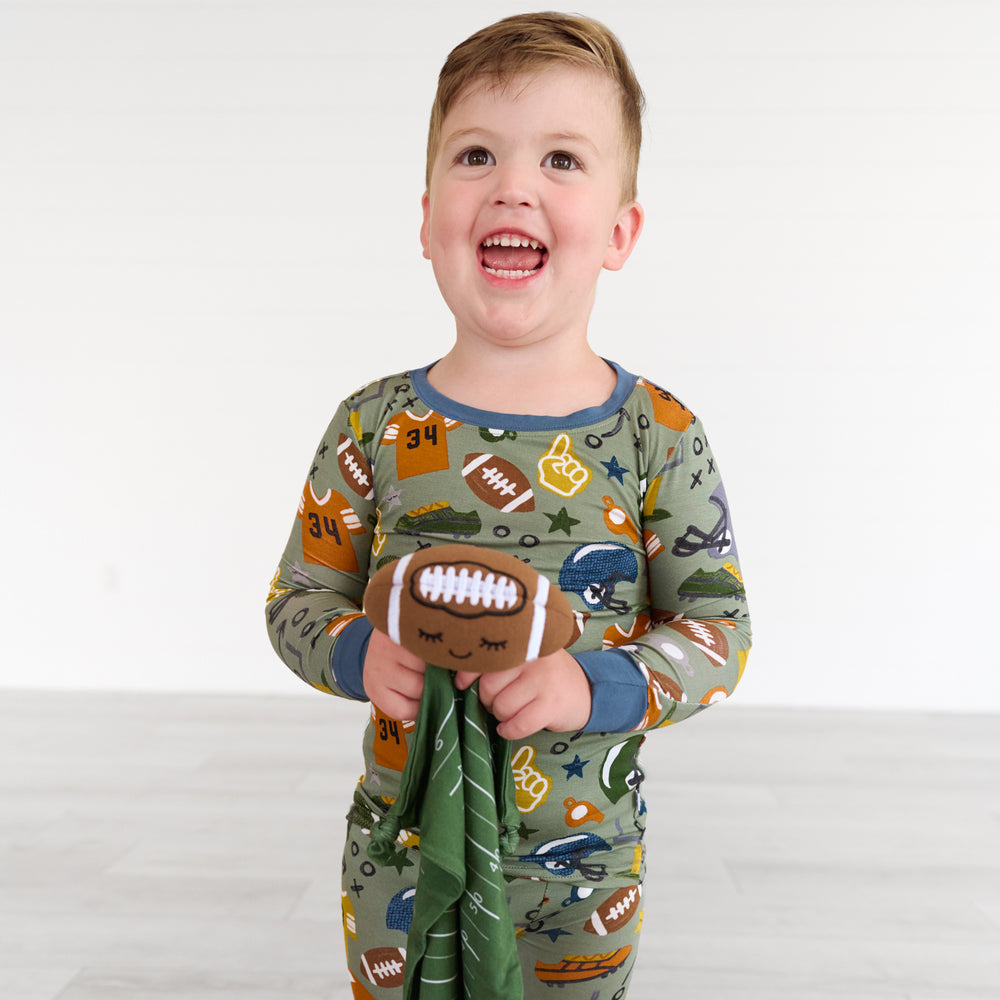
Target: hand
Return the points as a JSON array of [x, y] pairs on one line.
[[393, 678], [551, 692]]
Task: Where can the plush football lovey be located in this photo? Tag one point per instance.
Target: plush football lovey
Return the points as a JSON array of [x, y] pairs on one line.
[[466, 607]]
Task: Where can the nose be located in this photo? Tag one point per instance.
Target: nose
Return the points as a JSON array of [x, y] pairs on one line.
[[514, 185]]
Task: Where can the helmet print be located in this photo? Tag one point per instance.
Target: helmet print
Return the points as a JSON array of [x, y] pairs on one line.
[[593, 571]]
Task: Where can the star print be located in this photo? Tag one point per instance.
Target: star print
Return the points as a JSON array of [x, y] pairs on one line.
[[399, 861], [615, 471], [561, 521], [391, 499], [524, 831], [575, 770], [554, 933]]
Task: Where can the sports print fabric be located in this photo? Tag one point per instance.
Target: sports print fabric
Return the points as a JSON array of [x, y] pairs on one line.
[[620, 506]]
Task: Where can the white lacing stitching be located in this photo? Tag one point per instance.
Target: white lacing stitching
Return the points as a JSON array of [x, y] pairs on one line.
[[490, 591]]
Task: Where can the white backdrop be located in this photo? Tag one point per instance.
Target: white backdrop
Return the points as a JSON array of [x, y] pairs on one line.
[[208, 236]]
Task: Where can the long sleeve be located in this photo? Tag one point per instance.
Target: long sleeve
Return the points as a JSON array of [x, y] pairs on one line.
[[313, 610], [692, 646]]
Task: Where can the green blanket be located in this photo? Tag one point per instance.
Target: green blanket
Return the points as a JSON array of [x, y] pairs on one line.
[[458, 791]]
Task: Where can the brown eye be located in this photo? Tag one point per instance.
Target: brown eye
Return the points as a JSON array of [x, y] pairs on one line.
[[477, 157], [494, 646], [561, 161], [431, 636]]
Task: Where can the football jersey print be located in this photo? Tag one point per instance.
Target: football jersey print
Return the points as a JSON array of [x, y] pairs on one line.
[[327, 522], [421, 444]]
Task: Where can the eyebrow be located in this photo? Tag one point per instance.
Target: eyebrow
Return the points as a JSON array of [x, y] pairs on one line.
[[485, 134]]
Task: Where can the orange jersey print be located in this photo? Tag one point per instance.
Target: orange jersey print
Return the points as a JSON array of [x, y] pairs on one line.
[[326, 523], [666, 410], [421, 444]]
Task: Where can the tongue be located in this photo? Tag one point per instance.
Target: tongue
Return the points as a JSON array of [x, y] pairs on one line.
[[512, 258]]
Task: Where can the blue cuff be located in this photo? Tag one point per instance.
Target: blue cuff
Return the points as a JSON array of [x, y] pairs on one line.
[[348, 660], [619, 691]]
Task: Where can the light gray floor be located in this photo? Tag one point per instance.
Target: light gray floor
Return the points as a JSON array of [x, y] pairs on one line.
[[188, 846]]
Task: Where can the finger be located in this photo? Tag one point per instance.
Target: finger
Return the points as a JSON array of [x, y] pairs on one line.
[[523, 723], [410, 660], [510, 700], [408, 684], [397, 706], [465, 679], [492, 684]]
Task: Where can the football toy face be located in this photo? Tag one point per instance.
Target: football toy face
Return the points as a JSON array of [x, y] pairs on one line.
[[468, 608]]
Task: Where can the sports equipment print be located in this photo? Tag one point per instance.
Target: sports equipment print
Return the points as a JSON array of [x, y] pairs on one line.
[[622, 511]]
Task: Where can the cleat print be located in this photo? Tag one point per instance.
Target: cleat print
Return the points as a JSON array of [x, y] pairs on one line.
[[440, 519]]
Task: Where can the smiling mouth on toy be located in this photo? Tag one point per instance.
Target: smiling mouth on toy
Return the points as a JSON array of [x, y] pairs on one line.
[[455, 655], [512, 256]]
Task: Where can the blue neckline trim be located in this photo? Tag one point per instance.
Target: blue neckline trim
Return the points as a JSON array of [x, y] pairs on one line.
[[448, 407]]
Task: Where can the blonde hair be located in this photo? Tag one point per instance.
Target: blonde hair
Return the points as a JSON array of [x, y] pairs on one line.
[[526, 43]]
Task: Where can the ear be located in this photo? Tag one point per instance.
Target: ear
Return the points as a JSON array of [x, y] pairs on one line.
[[624, 236], [425, 228]]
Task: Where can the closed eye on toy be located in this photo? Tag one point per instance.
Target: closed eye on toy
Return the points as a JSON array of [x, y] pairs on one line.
[[463, 591]]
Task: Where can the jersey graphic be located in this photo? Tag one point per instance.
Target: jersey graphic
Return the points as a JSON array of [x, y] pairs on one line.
[[389, 745], [421, 444], [652, 544], [667, 410], [326, 524]]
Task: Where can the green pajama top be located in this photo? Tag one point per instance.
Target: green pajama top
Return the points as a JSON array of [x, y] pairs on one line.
[[621, 506]]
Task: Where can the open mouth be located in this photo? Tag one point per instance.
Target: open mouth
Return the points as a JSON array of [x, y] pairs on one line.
[[510, 255]]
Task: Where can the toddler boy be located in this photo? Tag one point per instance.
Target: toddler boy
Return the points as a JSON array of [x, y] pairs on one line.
[[522, 438]]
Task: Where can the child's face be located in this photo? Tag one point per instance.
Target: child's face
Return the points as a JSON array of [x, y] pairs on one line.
[[539, 161]]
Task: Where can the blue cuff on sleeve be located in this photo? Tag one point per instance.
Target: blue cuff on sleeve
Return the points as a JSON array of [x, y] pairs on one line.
[[348, 660], [619, 691]]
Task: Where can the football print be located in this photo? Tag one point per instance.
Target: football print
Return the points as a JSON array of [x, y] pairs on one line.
[[384, 966], [705, 637], [615, 912], [498, 482], [354, 468], [464, 607]]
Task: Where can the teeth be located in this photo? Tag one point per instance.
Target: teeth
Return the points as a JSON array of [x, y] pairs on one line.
[[508, 274], [507, 240]]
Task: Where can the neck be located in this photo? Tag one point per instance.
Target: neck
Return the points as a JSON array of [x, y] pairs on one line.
[[512, 380]]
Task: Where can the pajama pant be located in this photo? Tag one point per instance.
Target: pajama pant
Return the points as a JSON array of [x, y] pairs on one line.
[[581, 939]]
